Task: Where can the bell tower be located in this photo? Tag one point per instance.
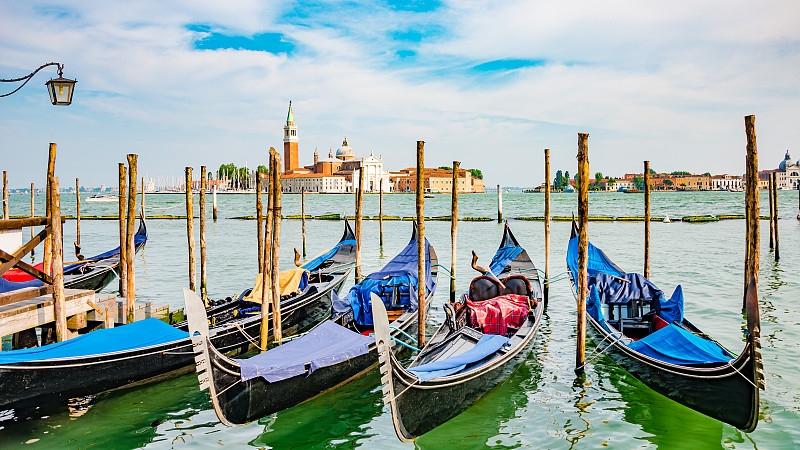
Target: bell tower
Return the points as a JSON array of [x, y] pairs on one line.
[[290, 156]]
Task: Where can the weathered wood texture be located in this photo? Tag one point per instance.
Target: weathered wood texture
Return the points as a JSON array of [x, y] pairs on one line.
[[5, 195], [266, 275], [647, 219], [58, 260], [203, 266], [123, 254], [775, 215], [303, 213], [583, 245], [546, 226], [259, 223], [277, 330], [752, 205], [190, 229], [380, 213], [48, 243], [421, 288], [130, 282], [453, 230], [359, 212]]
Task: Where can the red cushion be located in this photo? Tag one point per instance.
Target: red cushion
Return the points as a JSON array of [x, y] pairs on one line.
[[17, 275], [495, 315]]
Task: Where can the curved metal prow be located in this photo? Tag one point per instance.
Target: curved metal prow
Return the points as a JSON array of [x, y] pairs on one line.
[[383, 343], [754, 332], [198, 330]]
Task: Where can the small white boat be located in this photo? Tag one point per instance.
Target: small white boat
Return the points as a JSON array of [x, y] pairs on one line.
[[102, 198], [666, 218]]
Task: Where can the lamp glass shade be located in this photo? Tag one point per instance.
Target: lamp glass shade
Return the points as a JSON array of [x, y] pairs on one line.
[[61, 90]]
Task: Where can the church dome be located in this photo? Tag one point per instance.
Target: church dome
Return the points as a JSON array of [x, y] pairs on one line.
[[787, 161], [345, 151]]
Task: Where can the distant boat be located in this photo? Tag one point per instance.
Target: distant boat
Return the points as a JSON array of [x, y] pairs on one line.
[[429, 196], [666, 218], [102, 198], [633, 191]]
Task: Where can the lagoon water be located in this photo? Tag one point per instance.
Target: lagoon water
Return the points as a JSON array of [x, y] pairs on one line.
[[542, 405]]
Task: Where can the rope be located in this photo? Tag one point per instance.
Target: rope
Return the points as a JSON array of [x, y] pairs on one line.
[[593, 357], [740, 373], [247, 336], [449, 274], [404, 334]]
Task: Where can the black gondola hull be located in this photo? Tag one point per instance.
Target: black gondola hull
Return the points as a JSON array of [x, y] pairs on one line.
[[31, 384], [422, 410], [725, 393], [244, 402]]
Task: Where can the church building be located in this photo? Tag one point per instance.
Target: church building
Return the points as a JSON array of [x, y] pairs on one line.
[[337, 173]]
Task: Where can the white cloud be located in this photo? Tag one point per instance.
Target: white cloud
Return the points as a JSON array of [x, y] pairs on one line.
[[665, 82]]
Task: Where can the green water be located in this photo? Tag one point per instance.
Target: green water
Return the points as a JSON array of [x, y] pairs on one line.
[[542, 405]]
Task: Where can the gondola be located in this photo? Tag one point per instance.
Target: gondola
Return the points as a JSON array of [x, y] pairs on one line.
[[336, 351], [644, 332], [150, 349], [469, 354], [93, 273]]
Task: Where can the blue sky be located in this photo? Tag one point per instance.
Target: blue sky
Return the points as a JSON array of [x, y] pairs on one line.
[[488, 83]]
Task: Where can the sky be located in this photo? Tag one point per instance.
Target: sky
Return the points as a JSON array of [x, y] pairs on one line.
[[491, 84]]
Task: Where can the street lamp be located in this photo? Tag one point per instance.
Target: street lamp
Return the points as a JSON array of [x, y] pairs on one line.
[[60, 89]]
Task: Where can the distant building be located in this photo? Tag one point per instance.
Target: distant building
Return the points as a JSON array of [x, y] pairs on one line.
[[725, 182], [295, 183], [436, 181], [791, 173], [290, 151]]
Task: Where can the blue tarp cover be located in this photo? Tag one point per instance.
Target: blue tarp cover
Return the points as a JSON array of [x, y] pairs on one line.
[[597, 261], [143, 333], [316, 262], [487, 345], [8, 286], [675, 345], [325, 345], [402, 269], [504, 256]]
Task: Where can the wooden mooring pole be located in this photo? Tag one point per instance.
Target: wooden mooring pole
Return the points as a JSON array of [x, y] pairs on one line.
[[453, 229], [190, 228], [775, 214], [57, 258], [266, 275], [130, 291], [214, 201], [259, 223], [78, 219], [546, 226], [421, 256], [752, 207], [303, 214], [48, 241], [583, 247], [5, 195], [359, 211], [499, 204], [647, 219], [123, 264], [203, 267], [33, 213], [770, 180], [277, 329], [380, 213]]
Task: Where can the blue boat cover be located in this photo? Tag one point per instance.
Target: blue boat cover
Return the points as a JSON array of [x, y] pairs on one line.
[[402, 269], [143, 333], [504, 256], [316, 262], [8, 286], [673, 344], [325, 345], [487, 345], [609, 289], [597, 261]]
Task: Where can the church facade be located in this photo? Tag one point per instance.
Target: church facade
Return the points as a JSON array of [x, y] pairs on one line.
[[338, 173], [791, 171]]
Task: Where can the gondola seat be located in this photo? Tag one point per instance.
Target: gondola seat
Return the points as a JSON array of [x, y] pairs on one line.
[[483, 288], [517, 284], [498, 315]]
